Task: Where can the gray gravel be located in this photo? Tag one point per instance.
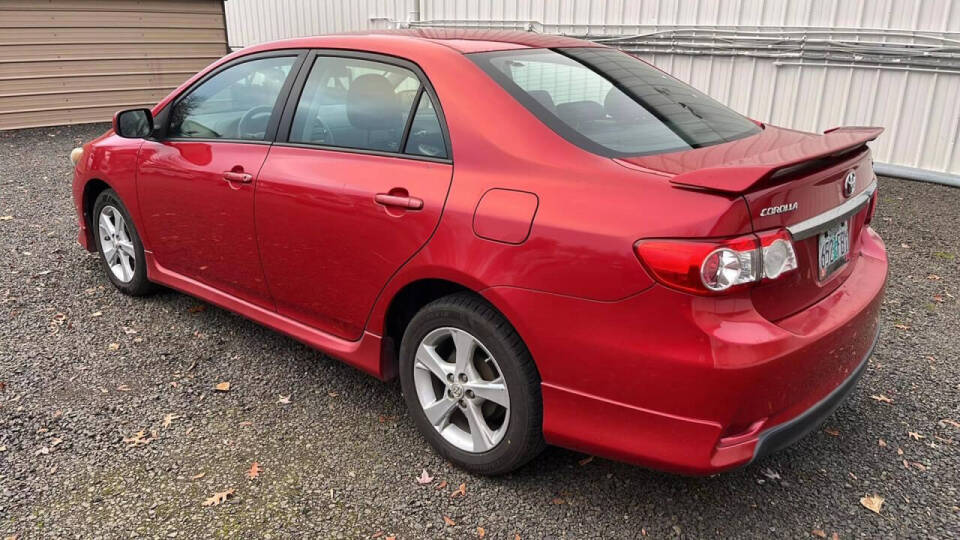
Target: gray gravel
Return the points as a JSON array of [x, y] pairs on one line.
[[83, 367]]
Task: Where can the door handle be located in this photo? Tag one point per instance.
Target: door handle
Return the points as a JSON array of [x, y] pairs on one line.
[[399, 201], [242, 177]]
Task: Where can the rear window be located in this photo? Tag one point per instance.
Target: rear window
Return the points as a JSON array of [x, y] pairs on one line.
[[611, 103]]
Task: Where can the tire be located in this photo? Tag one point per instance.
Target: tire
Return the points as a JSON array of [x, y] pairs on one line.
[[122, 245], [514, 433]]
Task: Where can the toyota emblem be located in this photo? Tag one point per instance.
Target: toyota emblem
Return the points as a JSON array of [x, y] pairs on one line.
[[849, 184]]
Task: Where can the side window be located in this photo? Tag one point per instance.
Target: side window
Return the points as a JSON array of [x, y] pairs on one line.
[[355, 103], [236, 103], [426, 137]]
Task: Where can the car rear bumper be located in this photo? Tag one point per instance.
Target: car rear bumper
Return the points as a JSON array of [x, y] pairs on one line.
[[691, 384], [789, 432]]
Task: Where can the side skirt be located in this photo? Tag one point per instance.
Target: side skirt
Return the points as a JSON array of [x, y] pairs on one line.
[[363, 354]]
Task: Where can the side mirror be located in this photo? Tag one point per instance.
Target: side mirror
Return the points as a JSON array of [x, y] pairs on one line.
[[133, 123]]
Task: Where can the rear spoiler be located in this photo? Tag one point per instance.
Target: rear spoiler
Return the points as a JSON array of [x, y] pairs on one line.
[[742, 175]]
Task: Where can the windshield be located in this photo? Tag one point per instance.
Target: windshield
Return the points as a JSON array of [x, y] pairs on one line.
[[611, 103]]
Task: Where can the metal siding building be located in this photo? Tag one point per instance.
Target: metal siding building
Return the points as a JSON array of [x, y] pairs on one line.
[[805, 64], [76, 61]]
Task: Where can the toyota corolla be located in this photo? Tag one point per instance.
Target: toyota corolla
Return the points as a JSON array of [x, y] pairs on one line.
[[548, 241]]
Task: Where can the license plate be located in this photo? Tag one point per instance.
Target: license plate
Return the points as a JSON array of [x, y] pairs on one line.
[[834, 244]]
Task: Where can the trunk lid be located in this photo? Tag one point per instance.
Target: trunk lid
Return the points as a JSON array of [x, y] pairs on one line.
[[788, 179]]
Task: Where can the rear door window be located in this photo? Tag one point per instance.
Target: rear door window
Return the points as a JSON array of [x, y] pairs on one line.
[[355, 103], [611, 103]]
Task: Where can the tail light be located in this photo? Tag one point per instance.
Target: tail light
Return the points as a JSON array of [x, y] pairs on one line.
[[714, 267]]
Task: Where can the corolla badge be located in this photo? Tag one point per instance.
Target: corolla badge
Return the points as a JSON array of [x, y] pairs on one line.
[[781, 209], [849, 184]]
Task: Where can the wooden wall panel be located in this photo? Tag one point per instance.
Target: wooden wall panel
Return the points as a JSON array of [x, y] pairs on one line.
[[77, 61]]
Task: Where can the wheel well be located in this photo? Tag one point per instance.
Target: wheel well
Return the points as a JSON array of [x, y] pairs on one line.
[[403, 307], [91, 191]]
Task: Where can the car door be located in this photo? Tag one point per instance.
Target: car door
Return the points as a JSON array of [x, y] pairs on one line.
[[196, 181], [354, 186]]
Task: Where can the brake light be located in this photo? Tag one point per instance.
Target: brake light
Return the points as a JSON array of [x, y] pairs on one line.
[[715, 267]]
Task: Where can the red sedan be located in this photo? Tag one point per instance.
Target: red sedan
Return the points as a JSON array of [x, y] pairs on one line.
[[547, 240]]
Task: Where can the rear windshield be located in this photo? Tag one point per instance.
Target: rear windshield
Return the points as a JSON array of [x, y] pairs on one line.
[[611, 103]]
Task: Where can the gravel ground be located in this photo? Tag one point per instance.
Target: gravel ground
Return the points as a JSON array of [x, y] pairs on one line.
[[83, 367]]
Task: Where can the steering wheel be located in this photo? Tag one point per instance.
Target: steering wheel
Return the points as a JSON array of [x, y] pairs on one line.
[[245, 124]]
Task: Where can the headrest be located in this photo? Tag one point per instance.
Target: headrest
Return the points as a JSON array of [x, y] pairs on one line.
[[621, 107], [544, 98], [372, 104], [577, 112]]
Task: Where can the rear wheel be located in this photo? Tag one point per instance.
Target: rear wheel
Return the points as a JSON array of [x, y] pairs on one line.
[[121, 251], [471, 385]]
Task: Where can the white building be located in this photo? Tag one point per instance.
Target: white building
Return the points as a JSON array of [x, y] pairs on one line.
[[805, 64]]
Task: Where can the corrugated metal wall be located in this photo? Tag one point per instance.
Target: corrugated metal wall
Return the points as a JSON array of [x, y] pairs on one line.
[[76, 61], [919, 106]]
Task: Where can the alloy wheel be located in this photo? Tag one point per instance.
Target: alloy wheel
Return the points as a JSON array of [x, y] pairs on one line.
[[116, 245], [461, 389]]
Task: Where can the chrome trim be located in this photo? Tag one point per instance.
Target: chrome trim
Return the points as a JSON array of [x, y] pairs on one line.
[[821, 222]]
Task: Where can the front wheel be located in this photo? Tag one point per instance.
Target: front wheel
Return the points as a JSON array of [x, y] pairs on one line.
[[471, 386], [119, 245]]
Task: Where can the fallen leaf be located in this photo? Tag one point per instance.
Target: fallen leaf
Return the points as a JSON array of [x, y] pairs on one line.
[[832, 432], [872, 503], [284, 400], [835, 536], [218, 498], [481, 532], [557, 500], [113, 346], [377, 534], [938, 298], [442, 484], [222, 387], [906, 465], [198, 476], [449, 522], [254, 471], [55, 442], [123, 388], [818, 532], [6, 218], [933, 277], [332, 394], [168, 419], [882, 443], [920, 466], [197, 308], [246, 423], [3, 386], [139, 438], [882, 398], [950, 421], [585, 461], [189, 430], [459, 492], [916, 436], [424, 478], [899, 451]]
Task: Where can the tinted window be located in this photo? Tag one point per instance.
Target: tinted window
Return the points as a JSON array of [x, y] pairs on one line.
[[236, 103], [426, 137], [611, 103], [355, 103]]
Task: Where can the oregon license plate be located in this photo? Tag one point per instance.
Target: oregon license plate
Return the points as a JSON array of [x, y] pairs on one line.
[[834, 244]]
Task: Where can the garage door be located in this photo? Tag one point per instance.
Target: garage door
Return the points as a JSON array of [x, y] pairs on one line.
[[78, 61]]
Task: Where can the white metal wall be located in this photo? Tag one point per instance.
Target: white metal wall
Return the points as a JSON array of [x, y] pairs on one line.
[[920, 108]]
